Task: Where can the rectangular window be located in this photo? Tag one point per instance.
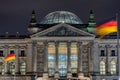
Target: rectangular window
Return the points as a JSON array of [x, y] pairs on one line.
[[102, 68], [22, 53], [112, 52], [11, 51], [51, 59], [74, 58], [102, 53], [1, 53]]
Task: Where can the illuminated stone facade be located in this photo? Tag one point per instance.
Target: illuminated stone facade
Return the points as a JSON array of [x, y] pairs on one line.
[[61, 51]]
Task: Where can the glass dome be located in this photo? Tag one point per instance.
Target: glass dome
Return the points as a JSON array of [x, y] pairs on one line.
[[61, 17]]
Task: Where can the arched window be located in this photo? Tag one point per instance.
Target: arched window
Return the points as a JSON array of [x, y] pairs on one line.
[[1, 68], [12, 68], [102, 67], [113, 67], [23, 68]]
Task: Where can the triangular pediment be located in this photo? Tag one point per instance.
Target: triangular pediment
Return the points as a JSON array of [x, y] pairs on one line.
[[62, 30]]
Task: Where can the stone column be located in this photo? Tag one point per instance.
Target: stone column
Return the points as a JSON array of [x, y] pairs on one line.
[[80, 73], [57, 57], [118, 60], [107, 58], [96, 54], [69, 75], [90, 58], [35, 57], [45, 74], [29, 58], [17, 59]]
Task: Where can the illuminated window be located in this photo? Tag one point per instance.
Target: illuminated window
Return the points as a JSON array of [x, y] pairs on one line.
[[1, 68], [51, 59], [62, 50], [113, 67], [102, 68], [23, 68], [12, 68], [74, 57]]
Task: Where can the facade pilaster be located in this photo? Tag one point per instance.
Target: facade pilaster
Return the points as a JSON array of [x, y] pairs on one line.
[[69, 75], [29, 57], [46, 57], [95, 56], [80, 73], [35, 57], [107, 58], [118, 59], [6, 63], [90, 58], [56, 56], [45, 74], [17, 70]]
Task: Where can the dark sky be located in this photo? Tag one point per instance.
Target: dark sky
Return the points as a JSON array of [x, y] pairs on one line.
[[15, 14]]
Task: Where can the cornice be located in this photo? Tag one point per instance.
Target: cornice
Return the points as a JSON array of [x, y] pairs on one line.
[[10, 41], [63, 38]]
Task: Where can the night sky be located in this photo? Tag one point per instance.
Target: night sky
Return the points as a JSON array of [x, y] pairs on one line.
[[15, 15]]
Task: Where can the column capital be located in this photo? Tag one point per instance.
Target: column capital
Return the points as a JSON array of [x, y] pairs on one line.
[[107, 46], [6, 46], [79, 43], [56, 43], [90, 44], [34, 43], [46, 43], [17, 46], [69, 43], [29, 44]]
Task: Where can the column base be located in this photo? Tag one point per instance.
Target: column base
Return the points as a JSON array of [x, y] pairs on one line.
[[69, 75], [45, 76], [17, 72], [56, 75], [39, 78], [7, 72], [80, 75]]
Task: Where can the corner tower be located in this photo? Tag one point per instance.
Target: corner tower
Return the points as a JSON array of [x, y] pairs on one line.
[[91, 23], [33, 26]]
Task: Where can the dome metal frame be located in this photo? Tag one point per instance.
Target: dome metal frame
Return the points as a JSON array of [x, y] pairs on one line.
[[61, 17]]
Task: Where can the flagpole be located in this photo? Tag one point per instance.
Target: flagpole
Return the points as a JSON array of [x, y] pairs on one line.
[[118, 44]]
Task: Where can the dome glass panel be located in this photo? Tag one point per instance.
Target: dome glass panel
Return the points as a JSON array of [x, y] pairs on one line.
[[61, 17]]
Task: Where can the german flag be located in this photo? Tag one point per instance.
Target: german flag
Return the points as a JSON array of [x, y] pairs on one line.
[[10, 57], [106, 28]]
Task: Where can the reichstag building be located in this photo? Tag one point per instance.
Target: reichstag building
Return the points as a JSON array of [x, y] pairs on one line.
[[59, 47]]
